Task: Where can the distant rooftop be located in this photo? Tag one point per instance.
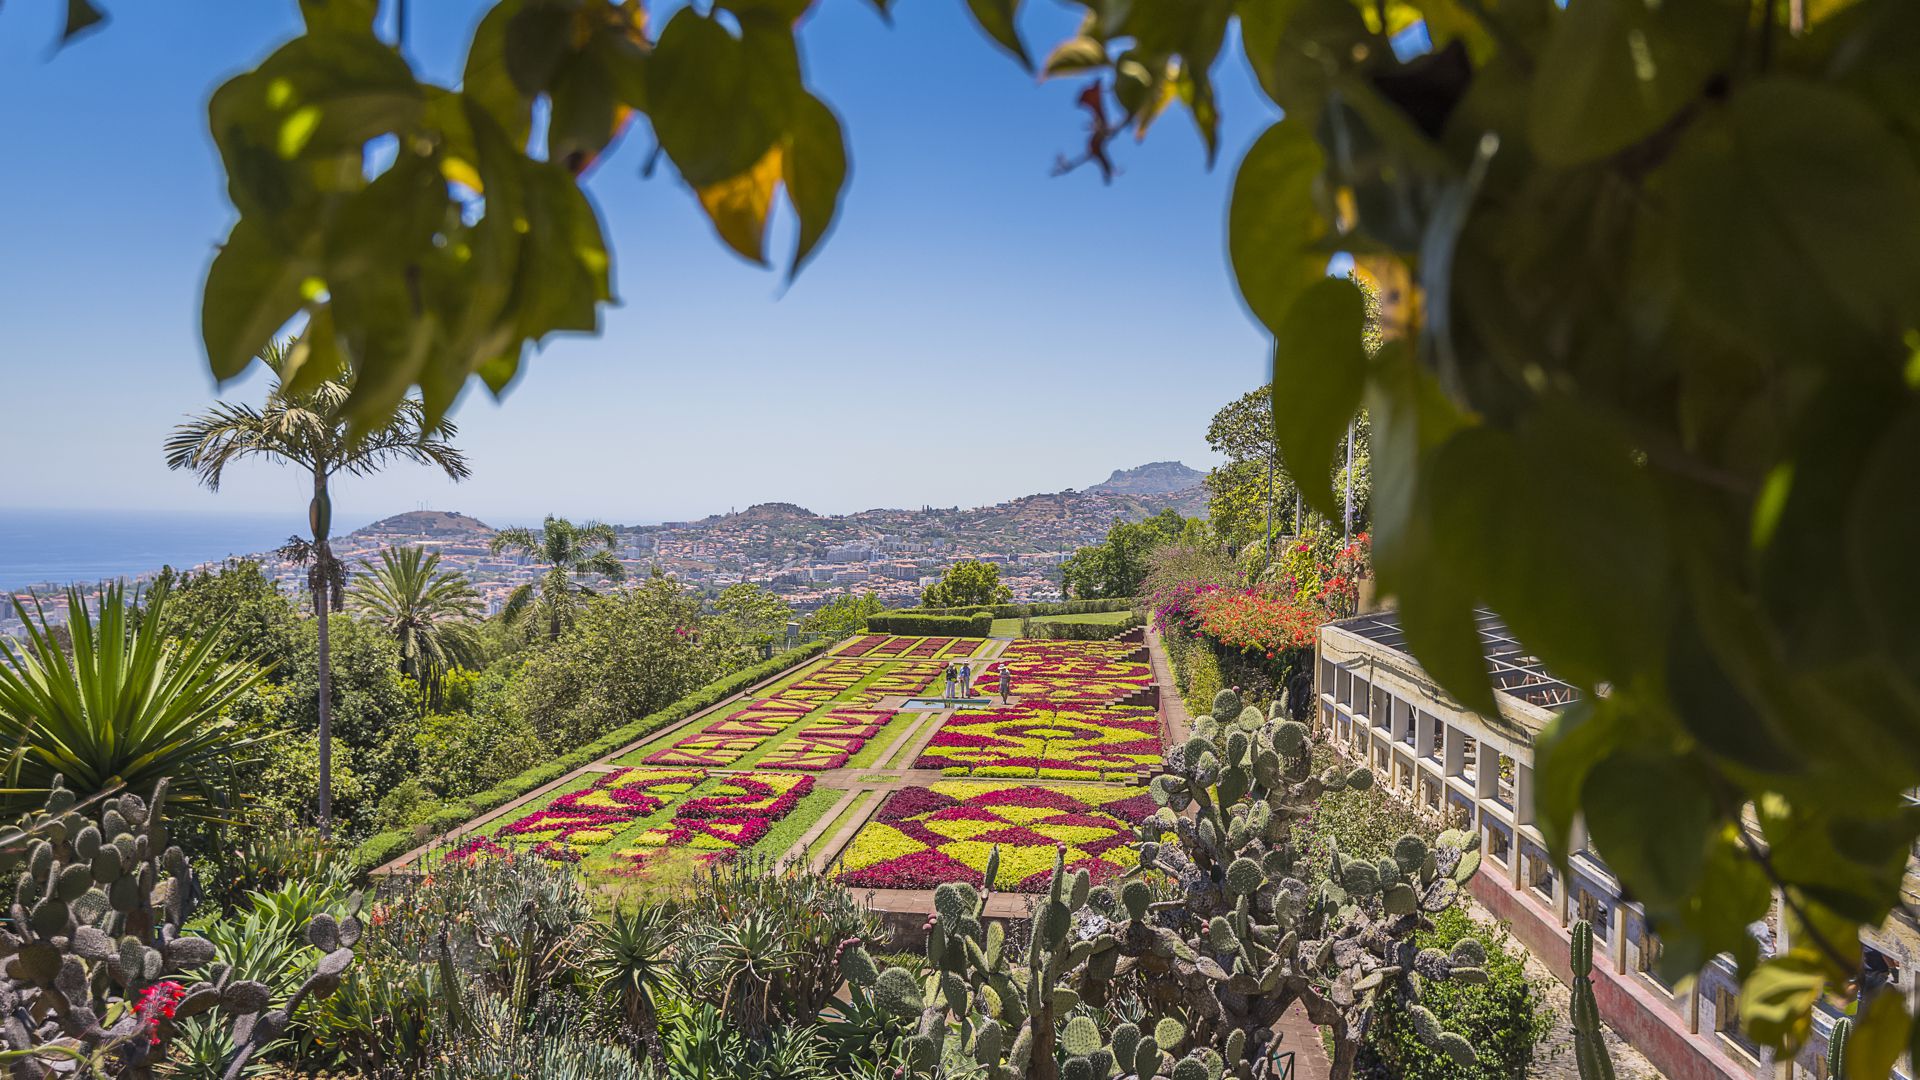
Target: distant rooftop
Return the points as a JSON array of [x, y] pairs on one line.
[[1513, 669]]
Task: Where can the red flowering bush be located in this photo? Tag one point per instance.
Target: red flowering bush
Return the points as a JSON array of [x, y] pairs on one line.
[[1256, 619]]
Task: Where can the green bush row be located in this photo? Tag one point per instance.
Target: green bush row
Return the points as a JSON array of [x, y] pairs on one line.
[[1080, 631], [975, 624], [1028, 611], [384, 847]]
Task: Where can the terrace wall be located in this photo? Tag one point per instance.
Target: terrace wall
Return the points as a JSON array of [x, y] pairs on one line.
[[1376, 706]]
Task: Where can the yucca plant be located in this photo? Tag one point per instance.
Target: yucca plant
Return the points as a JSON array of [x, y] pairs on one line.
[[124, 706]]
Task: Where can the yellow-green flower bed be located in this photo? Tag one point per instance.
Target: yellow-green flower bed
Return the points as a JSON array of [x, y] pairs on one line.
[[923, 836]]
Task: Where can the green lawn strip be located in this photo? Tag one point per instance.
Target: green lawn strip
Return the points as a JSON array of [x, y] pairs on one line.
[[789, 829], [1102, 617], [853, 810], [903, 746], [1005, 628], [899, 727], [789, 731]]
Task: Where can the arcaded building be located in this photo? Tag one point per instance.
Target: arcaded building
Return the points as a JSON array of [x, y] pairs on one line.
[[1379, 707]]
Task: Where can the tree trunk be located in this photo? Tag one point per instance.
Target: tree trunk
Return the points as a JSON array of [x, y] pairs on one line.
[[319, 517]]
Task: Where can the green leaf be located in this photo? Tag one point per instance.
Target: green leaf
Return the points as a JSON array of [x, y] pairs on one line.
[[718, 103], [1583, 552], [351, 15], [997, 18], [587, 112], [738, 205], [1777, 999], [786, 11], [1879, 1038], [564, 266], [487, 80], [1276, 234], [251, 292], [539, 39], [81, 17], [391, 220], [1077, 53], [1796, 203], [1615, 71], [1319, 371], [1883, 534], [1565, 751], [1297, 47], [1652, 821], [816, 174]]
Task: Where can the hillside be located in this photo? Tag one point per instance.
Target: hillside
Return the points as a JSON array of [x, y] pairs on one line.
[[429, 524], [1153, 478]]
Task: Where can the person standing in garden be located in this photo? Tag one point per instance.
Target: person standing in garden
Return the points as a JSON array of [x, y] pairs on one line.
[[966, 678], [1006, 683]]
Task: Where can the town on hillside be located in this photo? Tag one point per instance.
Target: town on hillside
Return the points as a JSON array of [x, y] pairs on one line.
[[806, 558]]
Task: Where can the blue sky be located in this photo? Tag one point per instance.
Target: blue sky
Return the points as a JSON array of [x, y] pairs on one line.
[[1027, 333]]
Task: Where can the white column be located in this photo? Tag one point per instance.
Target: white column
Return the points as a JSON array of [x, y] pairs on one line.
[[1522, 794], [1422, 735], [1453, 751], [1617, 939]]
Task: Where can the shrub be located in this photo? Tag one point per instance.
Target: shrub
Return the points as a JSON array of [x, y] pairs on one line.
[[976, 624], [387, 846], [1504, 1017]]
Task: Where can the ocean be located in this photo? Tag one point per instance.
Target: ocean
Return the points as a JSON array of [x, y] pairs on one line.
[[57, 547]]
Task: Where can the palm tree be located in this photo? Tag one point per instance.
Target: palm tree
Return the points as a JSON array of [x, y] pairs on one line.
[[116, 703], [429, 612], [307, 427], [570, 552]]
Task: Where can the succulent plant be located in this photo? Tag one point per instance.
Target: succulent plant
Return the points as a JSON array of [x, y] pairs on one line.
[[94, 956], [1589, 1044], [1836, 1050], [1252, 926]]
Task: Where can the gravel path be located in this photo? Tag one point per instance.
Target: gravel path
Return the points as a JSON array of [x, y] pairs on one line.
[[1553, 1058]]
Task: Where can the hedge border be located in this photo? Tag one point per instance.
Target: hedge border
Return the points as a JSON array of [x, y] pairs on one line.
[[382, 848], [1028, 611], [978, 623]]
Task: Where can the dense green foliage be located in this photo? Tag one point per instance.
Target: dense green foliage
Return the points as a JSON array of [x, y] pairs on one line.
[[1117, 566], [1504, 1017], [970, 582], [843, 615], [118, 703]]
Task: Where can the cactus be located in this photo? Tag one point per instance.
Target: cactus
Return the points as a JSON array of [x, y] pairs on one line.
[[1836, 1049], [92, 958], [1244, 926], [1589, 1044]]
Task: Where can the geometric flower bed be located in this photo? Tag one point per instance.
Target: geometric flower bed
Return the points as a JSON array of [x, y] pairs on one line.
[[919, 648], [1070, 742], [1081, 672], [823, 717], [571, 825], [923, 836], [741, 811]]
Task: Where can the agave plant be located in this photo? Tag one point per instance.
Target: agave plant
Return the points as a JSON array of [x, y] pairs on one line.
[[125, 706], [628, 959]]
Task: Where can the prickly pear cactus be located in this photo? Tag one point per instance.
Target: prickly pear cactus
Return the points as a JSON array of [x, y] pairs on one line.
[[92, 958], [1589, 1044], [1243, 925]]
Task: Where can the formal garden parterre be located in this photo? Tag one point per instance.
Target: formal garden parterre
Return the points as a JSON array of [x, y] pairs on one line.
[[1057, 764]]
